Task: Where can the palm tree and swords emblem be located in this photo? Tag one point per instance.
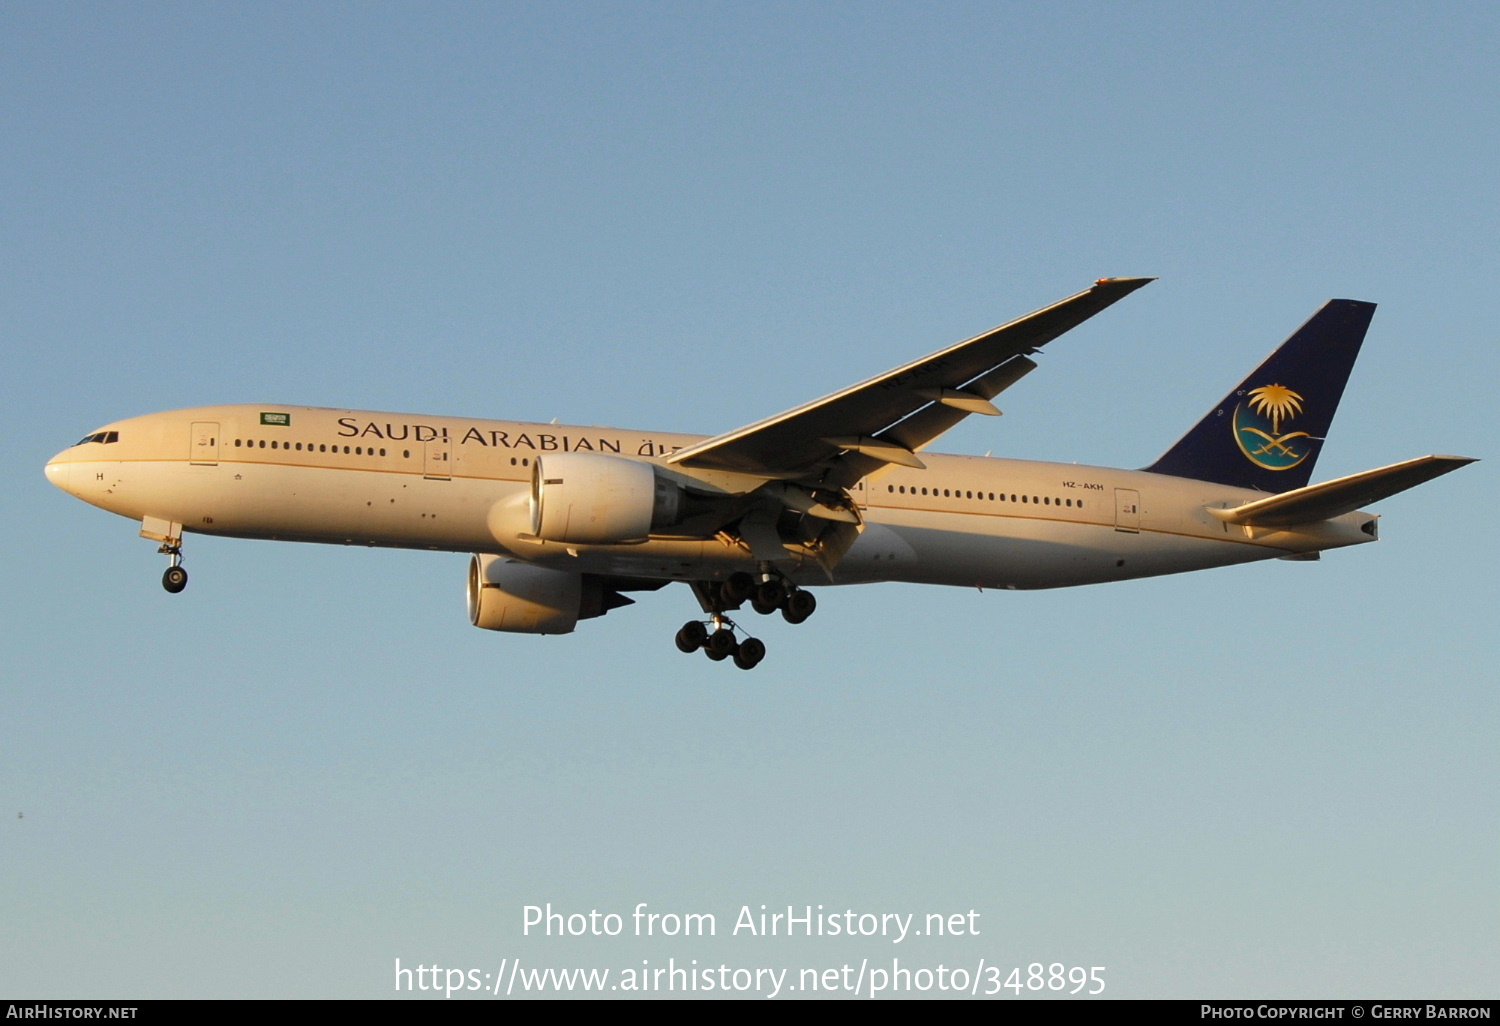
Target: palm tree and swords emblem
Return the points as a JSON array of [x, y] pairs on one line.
[[1257, 427]]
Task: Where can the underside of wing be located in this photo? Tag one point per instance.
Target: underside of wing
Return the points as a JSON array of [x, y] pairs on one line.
[[888, 418]]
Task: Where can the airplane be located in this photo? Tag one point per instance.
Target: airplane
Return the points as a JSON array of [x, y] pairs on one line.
[[565, 521]]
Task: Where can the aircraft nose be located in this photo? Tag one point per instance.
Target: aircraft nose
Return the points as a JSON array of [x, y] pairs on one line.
[[59, 473]]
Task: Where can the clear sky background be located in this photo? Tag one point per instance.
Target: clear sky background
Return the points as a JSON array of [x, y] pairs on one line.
[[1276, 780]]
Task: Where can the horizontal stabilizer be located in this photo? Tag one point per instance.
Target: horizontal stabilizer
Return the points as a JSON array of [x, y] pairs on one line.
[[1342, 495]]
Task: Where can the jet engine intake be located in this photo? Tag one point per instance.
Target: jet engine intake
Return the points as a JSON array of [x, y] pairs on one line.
[[592, 499]]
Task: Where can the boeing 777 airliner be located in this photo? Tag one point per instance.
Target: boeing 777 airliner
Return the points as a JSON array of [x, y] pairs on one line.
[[565, 521]]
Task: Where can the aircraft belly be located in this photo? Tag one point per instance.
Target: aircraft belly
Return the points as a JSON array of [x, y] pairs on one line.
[[880, 553], [1027, 553]]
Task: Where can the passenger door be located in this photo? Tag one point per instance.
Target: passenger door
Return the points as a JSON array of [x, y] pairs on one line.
[[435, 465], [205, 444], [1127, 510]]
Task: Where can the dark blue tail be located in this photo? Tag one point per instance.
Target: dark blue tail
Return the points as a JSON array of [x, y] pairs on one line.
[[1267, 433]]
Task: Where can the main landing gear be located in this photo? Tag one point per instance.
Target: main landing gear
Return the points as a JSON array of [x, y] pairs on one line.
[[716, 635], [175, 578], [720, 643], [768, 595]]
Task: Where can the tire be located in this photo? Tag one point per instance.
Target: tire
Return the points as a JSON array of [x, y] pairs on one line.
[[174, 580], [751, 652], [799, 606], [771, 593], [720, 644], [692, 636], [738, 588]]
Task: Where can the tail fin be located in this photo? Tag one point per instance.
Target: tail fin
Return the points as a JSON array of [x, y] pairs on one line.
[[1267, 433]]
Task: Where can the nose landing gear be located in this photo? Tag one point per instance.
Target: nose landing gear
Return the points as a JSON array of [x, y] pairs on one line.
[[175, 578], [169, 533]]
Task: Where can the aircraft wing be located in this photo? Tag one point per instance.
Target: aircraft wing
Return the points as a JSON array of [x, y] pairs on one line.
[[889, 417]]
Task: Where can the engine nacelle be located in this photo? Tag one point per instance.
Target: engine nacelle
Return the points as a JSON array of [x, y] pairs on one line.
[[589, 498], [505, 595]]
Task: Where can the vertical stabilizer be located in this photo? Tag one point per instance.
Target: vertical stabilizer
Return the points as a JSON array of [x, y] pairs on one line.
[[1267, 433]]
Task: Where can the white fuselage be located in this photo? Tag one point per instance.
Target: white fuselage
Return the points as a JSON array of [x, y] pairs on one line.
[[355, 477]]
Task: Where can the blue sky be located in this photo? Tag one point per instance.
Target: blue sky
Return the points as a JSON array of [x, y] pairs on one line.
[[1277, 780]]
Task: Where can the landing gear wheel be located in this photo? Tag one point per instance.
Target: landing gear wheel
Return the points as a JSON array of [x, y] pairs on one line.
[[751, 652], [692, 636], [175, 579], [720, 645], [768, 597], [799, 606], [738, 588]]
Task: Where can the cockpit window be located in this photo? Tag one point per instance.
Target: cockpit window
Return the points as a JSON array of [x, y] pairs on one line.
[[99, 436]]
